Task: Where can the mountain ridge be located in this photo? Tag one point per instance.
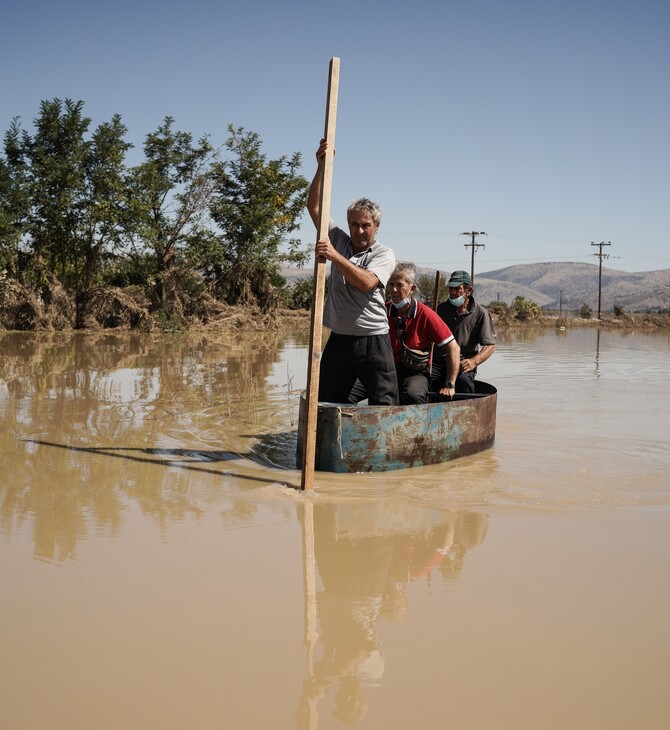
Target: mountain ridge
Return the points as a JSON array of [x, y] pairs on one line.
[[571, 284]]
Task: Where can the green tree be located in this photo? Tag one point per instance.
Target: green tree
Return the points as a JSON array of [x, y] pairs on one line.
[[166, 212], [425, 285], [256, 205], [75, 188], [104, 208], [14, 201]]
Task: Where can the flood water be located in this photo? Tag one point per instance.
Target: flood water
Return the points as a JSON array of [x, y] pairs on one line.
[[159, 569]]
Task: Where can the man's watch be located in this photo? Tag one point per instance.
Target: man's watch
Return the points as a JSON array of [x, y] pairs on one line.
[[449, 384]]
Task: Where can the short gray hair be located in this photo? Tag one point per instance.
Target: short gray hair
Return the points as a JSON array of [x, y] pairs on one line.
[[368, 206], [406, 269]]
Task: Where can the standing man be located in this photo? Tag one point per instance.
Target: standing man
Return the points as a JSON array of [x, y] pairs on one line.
[[472, 326], [355, 311]]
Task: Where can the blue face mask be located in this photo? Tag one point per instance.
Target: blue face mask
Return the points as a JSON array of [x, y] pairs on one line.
[[457, 302], [404, 303]]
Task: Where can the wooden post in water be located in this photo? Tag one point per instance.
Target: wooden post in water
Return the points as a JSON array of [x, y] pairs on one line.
[[316, 329]]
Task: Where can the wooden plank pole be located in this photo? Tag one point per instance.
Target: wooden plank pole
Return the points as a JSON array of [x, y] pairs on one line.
[[316, 328], [436, 290]]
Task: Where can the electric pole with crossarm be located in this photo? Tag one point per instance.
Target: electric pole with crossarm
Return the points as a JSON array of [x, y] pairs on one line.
[[474, 246], [601, 256]]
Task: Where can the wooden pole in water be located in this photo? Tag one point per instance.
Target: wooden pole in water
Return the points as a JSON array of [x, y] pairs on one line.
[[316, 329]]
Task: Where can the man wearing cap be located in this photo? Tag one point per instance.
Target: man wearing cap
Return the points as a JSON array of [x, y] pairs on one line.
[[472, 327]]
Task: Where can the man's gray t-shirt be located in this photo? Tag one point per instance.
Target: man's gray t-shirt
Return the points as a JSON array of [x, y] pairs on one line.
[[349, 311]]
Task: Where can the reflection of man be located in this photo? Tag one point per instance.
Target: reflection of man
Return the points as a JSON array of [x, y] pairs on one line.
[[472, 326], [354, 573], [466, 531], [365, 568]]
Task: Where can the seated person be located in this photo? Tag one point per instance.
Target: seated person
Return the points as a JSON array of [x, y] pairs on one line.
[[472, 327], [418, 336]]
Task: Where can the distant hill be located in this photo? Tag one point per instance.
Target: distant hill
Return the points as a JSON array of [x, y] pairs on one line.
[[578, 282]]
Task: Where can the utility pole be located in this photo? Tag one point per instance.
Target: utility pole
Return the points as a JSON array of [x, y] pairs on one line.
[[474, 246], [600, 256], [560, 304]]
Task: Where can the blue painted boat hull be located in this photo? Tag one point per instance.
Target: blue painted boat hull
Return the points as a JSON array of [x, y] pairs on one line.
[[363, 438]]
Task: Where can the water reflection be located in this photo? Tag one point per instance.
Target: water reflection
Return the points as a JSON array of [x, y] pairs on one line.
[[111, 385], [95, 422], [366, 556], [102, 483]]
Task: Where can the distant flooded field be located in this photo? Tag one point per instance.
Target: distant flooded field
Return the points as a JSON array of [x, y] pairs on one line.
[[160, 568]]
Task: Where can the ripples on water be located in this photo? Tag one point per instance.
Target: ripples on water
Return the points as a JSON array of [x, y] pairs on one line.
[[582, 414]]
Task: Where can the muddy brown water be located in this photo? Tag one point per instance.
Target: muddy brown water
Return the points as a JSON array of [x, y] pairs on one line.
[[160, 570]]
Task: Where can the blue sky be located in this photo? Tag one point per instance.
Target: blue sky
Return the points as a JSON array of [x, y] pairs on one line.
[[545, 124]]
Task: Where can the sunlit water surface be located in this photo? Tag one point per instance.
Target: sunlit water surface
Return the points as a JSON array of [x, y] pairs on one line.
[[160, 569]]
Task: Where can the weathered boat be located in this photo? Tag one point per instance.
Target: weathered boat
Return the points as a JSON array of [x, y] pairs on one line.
[[363, 438]]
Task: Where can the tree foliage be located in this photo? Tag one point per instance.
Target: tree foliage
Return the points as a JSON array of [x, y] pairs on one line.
[[167, 198], [75, 219], [526, 308], [501, 309], [256, 205], [425, 286], [14, 200], [63, 191], [585, 312]]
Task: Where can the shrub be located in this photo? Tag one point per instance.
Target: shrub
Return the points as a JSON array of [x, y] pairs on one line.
[[302, 294], [501, 309], [525, 308], [585, 311]]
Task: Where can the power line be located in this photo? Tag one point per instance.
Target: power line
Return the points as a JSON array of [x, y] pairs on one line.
[[441, 234], [517, 260]]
